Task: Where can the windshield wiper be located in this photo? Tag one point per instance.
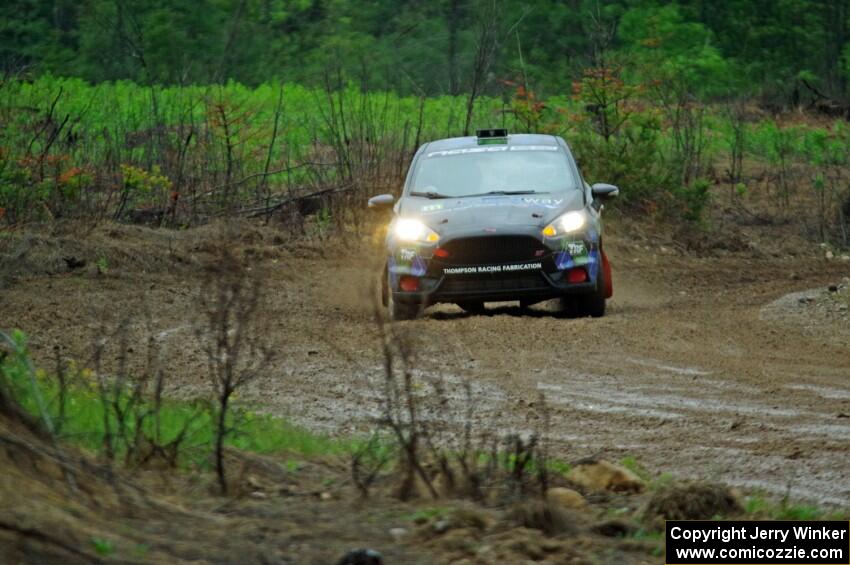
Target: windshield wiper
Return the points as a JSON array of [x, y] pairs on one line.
[[502, 193], [430, 194]]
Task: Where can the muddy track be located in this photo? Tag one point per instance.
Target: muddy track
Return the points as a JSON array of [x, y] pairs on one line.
[[685, 373]]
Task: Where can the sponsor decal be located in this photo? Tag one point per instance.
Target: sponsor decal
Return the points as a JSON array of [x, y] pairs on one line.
[[492, 149], [544, 201], [575, 248], [406, 254], [492, 269], [573, 253], [419, 268], [533, 148], [447, 153], [492, 200], [397, 266]]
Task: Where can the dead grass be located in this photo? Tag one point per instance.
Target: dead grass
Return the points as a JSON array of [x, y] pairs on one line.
[[545, 516], [691, 501]]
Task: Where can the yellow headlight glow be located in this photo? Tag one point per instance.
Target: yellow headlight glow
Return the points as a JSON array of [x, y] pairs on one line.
[[572, 221], [408, 229], [568, 223]]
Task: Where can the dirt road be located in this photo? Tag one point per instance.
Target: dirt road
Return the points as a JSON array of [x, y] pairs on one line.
[[686, 374]]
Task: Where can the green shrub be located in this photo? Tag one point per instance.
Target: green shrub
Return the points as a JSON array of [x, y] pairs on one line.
[[77, 413], [693, 199]]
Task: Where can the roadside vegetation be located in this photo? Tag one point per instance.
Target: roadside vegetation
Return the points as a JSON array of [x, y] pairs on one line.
[[135, 429], [177, 156], [664, 100]]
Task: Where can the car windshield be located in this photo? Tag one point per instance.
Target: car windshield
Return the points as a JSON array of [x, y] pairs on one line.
[[494, 169]]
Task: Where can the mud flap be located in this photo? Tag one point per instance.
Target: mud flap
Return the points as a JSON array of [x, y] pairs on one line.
[[606, 269]]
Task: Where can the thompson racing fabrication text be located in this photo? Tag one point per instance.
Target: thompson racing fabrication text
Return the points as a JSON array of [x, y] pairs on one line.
[[492, 269]]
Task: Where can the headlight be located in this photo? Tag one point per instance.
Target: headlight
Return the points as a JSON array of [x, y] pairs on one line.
[[570, 222], [407, 229]]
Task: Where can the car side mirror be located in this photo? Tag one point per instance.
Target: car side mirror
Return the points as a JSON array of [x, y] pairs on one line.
[[381, 201], [603, 191]]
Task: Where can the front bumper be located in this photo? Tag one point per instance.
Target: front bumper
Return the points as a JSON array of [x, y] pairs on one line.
[[493, 290], [491, 278]]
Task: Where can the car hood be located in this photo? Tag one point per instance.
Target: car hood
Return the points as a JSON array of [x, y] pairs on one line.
[[460, 214]]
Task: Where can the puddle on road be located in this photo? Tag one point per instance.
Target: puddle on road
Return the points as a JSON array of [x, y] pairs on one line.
[[609, 394], [604, 405], [837, 431], [823, 391], [796, 489], [669, 368]]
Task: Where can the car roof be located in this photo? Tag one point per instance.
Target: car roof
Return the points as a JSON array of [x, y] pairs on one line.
[[472, 141]]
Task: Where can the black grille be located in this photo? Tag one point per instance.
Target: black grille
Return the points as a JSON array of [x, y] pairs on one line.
[[488, 284], [493, 249]]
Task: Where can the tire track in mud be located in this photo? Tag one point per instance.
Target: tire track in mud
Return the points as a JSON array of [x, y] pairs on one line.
[[707, 428]]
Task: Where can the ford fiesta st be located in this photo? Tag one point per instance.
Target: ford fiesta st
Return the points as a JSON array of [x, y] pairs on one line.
[[494, 218]]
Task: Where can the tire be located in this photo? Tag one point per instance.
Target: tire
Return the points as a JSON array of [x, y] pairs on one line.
[[568, 307], [593, 304], [472, 307], [400, 310]]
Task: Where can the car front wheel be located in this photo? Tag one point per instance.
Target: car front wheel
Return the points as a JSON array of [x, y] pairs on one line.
[[400, 310], [593, 303], [590, 304]]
